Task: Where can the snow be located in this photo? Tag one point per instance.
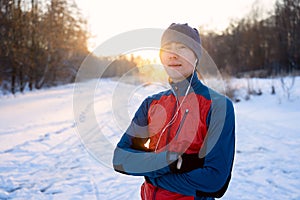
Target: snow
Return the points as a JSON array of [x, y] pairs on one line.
[[43, 156]]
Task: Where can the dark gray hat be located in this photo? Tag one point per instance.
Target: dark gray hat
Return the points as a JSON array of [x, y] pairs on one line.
[[184, 34]]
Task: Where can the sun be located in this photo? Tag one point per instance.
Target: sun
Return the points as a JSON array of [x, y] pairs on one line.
[[146, 56], [149, 65]]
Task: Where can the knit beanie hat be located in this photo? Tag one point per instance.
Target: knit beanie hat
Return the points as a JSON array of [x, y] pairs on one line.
[[184, 34]]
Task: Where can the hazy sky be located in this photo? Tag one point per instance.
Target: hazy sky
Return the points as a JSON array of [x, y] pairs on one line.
[[112, 17]]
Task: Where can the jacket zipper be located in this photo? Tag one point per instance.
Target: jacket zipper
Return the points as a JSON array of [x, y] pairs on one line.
[[181, 123]]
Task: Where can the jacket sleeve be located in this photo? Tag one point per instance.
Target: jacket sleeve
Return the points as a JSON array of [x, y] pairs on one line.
[[212, 180], [130, 155]]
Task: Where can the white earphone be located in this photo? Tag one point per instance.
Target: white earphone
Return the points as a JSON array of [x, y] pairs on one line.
[[176, 114], [195, 63]]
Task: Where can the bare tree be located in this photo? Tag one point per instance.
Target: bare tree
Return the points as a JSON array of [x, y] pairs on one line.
[[38, 40], [288, 29]]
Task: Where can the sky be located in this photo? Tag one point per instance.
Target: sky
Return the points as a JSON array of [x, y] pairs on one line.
[[109, 18]]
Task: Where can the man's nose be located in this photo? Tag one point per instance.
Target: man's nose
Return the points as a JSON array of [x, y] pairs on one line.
[[172, 54]]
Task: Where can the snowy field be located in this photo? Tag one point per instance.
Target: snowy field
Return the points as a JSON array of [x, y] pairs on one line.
[[42, 156]]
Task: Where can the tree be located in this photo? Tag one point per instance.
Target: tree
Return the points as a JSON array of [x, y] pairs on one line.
[[41, 43], [288, 29], [259, 44]]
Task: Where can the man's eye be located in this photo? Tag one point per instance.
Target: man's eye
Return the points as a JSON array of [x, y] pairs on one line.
[[181, 47], [167, 48]]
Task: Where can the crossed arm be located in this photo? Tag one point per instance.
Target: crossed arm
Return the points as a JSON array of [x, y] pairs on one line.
[[209, 179]]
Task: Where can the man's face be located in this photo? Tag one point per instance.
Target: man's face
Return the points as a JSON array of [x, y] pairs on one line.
[[178, 60]]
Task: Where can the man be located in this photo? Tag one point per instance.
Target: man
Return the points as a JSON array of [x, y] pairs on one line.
[[181, 140]]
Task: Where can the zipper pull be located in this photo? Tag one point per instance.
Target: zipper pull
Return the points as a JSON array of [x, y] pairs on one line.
[[179, 162]]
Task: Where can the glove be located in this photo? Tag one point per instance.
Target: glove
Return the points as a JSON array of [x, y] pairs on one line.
[[185, 162]]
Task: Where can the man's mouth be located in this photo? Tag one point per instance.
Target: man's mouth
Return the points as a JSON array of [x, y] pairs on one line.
[[174, 65]]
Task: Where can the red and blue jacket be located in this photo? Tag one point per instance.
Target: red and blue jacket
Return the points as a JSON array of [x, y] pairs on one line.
[[182, 141]]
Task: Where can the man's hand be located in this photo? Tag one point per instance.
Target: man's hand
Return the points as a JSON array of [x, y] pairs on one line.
[[185, 162]]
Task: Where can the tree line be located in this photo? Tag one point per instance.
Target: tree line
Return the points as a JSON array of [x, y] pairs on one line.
[[43, 43], [36, 38], [269, 46]]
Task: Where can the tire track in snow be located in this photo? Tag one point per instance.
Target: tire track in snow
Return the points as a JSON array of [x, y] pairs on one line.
[[60, 161]]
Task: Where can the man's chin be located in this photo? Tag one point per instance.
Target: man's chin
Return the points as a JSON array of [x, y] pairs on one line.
[[173, 73]]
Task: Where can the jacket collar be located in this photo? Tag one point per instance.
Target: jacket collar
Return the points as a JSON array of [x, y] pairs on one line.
[[180, 88]]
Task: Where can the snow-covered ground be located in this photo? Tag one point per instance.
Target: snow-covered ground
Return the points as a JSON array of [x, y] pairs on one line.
[[43, 156]]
